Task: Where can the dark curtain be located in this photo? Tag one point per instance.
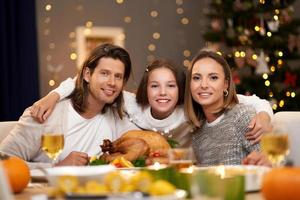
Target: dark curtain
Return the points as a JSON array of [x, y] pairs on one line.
[[18, 58]]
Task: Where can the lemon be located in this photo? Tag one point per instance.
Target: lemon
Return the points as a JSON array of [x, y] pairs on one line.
[[114, 181], [141, 181], [67, 184], [125, 162], [161, 187], [93, 187]]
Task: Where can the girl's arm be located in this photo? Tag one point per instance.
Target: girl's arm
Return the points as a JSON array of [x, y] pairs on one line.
[[260, 123], [42, 109]]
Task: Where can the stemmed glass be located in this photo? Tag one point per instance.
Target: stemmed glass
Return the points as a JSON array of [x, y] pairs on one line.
[[276, 144], [52, 141]]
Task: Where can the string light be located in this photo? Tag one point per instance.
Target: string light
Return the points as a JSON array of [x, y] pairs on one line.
[[269, 34], [254, 57], [185, 20], [151, 47], [243, 54], [179, 11], [275, 17], [280, 62], [73, 56], [265, 76], [274, 106], [267, 83], [293, 94], [186, 63], [119, 1], [237, 54], [262, 1], [89, 24], [154, 13], [281, 103], [270, 94], [51, 82], [127, 19], [186, 53], [156, 35], [277, 11], [48, 7], [272, 68], [219, 52], [256, 28], [288, 94], [280, 53]]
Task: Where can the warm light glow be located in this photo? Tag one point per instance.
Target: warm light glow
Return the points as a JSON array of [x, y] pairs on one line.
[[280, 62], [272, 68], [237, 54], [267, 83], [256, 28], [51, 82], [271, 94], [281, 103], [277, 11], [127, 19], [288, 94], [269, 34], [186, 63], [262, 1], [179, 11], [265, 76], [220, 171], [219, 52], [48, 7], [156, 35], [293, 94], [151, 47], [254, 57], [243, 54], [154, 13], [267, 59], [89, 24], [274, 106], [73, 56], [280, 53], [186, 53], [185, 21], [119, 1], [275, 17]]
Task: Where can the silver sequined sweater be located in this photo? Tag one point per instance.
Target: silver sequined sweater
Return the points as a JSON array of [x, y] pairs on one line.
[[224, 141]]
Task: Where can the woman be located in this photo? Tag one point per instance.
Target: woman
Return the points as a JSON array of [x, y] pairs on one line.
[[164, 80], [222, 122]]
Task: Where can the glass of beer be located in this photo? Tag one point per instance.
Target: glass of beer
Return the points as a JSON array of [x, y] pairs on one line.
[[276, 144], [181, 158], [52, 141]]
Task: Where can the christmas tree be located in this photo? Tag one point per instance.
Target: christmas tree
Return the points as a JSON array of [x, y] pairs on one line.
[[260, 40]]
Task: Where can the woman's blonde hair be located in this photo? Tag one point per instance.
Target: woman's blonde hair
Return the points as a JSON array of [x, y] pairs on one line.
[[192, 108]]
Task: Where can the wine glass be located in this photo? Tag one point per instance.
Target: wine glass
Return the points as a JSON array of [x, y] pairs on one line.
[[52, 141], [181, 158], [276, 144]]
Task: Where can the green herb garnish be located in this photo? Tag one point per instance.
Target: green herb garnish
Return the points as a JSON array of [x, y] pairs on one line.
[[98, 162], [140, 162], [173, 143]]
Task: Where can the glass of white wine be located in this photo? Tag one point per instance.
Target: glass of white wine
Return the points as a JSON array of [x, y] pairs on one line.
[[276, 144], [52, 141], [181, 158]]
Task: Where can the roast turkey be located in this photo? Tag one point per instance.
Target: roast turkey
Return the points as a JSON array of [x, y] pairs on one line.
[[135, 144]]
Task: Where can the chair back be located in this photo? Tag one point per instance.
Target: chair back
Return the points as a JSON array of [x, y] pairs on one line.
[[291, 121], [5, 128]]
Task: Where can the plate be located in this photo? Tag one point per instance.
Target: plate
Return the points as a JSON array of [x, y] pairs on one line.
[[178, 195], [253, 174], [83, 173]]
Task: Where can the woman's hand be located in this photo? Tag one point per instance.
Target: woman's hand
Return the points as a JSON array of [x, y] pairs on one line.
[[42, 109], [260, 124], [257, 158], [74, 158]]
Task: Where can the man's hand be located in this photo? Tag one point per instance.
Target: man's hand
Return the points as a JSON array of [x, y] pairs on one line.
[[42, 109], [74, 158], [257, 158], [260, 124]]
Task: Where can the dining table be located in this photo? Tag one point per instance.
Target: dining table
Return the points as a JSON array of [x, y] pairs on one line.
[[39, 191]]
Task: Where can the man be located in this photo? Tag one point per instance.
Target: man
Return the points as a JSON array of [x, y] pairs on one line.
[[87, 117]]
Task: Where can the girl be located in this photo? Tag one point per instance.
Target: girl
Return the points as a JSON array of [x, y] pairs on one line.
[[213, 107], [158, 104]]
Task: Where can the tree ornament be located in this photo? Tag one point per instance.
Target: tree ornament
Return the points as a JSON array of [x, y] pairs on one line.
[[262, 30], [262, 66], [216, 25], [273, 25], [290, 79]]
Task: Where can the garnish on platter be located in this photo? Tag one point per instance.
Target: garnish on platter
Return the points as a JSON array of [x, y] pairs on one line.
[[136, 146], [114, 183]]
